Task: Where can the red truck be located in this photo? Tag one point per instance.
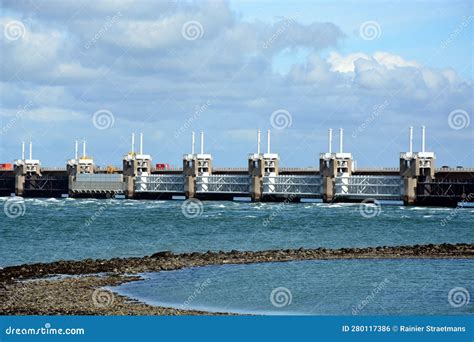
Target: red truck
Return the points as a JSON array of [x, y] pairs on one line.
[[6, 166], [162, 166]]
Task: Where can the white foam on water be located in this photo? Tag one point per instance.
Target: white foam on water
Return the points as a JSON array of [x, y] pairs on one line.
[[55, 200], [93, 200], [154, 205], [333, 205]]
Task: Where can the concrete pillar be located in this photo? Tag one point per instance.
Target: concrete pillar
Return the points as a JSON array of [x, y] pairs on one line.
[[189, 173], [20, 176], [256, 174], [409, 170], [327, 171], [134, 166], [328, 189], [25, 169], [416, 168], [409, 190], [129, 186], [71, 169], [129, 172]]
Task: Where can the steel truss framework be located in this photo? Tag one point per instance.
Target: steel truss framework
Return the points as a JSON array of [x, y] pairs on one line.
[[287, 185], [447, 188], [46, 183], [223, 184], [369, 186], [160, 183]]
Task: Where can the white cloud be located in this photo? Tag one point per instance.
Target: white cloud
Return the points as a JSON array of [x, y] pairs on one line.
[[151, 78], [345, 63]]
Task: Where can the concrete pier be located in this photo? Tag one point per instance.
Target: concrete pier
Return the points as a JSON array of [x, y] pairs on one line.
[[135, 165], [25, 169], [416, 167], [255, 167], [333, 165], [197, 167]]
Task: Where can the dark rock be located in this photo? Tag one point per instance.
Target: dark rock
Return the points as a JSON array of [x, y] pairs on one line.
[[163, 254]]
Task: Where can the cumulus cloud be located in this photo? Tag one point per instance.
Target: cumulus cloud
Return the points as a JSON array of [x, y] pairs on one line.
[[132, 59]]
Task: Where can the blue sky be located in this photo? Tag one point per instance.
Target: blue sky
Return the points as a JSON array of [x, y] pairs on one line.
[[99, 71], [412, 29]]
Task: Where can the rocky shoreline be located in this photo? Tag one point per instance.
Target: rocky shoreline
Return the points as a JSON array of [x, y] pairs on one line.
[[26, 289]]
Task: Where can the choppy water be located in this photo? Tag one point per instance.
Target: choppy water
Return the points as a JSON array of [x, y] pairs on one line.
[[52, 229], [322, 287]]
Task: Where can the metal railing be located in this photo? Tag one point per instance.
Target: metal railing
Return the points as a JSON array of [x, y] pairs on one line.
[[223, 184], [160, 183], [369, 186], [285, 185], [377, 169]]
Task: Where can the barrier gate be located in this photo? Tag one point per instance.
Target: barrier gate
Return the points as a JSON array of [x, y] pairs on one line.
[[360, 187]]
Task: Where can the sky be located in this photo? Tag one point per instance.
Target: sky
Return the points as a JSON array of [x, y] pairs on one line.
[[98, 71]]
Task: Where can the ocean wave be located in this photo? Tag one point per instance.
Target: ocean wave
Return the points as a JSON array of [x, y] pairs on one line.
[[52, 199]]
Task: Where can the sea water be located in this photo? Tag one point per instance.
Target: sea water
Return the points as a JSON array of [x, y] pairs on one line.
[[45, 230], [316, 287]]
